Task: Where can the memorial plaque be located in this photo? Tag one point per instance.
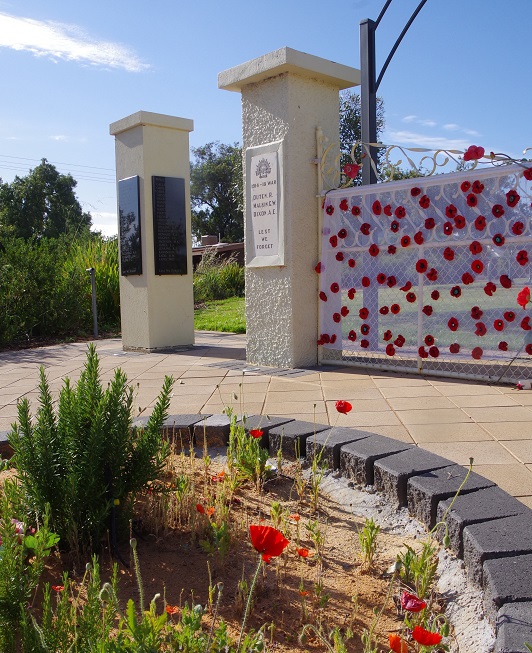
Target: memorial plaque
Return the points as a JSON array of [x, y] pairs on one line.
[[129, 226], [169, 225]]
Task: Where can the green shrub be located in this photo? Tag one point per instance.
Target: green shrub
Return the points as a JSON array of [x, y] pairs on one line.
[[84, 459], [217, 278]]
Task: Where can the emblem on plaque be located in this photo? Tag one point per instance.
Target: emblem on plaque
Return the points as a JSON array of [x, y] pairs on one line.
[[263, 169]]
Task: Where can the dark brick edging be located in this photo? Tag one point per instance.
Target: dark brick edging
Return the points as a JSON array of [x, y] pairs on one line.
[[489, 529]]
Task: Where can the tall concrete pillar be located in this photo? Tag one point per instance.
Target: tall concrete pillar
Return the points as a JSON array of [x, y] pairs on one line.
[[153, 174], [286, 96]]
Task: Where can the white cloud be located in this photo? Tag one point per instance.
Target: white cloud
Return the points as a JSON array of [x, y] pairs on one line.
[[58, 41], [104, 222], [409, 118], [59, 137], [451, 127], [412, 139]]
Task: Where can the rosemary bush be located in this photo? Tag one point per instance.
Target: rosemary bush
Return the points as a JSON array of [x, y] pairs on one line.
[[84, 459]]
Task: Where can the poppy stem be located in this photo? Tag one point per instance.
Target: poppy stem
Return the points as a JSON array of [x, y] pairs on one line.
[[248, 604]]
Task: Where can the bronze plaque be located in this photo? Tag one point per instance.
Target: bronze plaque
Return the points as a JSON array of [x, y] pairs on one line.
[[129, 226], [169, 225]]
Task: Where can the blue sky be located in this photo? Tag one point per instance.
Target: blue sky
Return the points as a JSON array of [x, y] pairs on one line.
[[70, 69]]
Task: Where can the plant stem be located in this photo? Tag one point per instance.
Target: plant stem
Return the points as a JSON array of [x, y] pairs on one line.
[[248, 604]]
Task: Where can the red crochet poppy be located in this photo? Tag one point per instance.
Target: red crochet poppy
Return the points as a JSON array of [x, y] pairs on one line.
[[498, 240], [498, 325], [528, 349], [329, 210], [411, 297], [400, 212], [363, 313], [394, 226], [424, 202], [365, 228], [342, 233], [467, 278], [392, 281], [355, 210], [366, 282], [522, 257], [471, 199], [344, 311], [455, 291], [333, 338], [333, 240], [434, 352], [477, 187], [418, 238], [447, 228], [376, 207], [475, 247], [525, 323], [465, 186], [422, 266], [395, 309], [448, 253], [399, 341], [351, 170], [335, 287], [351, 262], [422, 352], [432, 274], [451, 211], [373, 250], [427, 310], [527, 174], [387, 210], [364, 343], [512, 197], [381, 278], [509, 316], [326, 338], [387, 335], [339, 256], [480, 329], [405, 241], [505, 280], [477, 353], [323, 296], [472, 153], [415, 191], [364, 329], [490, 288], [453, 324], [480, 223], [477, 266], [429, 340], [352, 335], [454, 348], [476, 312], [351, 293], [337, 317], [503, 345], [406, 287], [390, 349], [392, 249], [497, 211], [430, 223], [344, 205], [435, 295], [318, 268], [459, 222], [384, 310], [518, 228]]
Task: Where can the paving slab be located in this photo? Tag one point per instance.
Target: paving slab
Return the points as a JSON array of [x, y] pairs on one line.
[[213, 431], [291, 438], [179, 429], [425, 491], [6, 450], [264, 423], [514, 628], [357, 458], [506, 581], [327, 444]]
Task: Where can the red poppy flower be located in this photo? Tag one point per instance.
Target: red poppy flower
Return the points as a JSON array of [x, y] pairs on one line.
[[448, 228], [509, 316], [337, 317], [323, 296], [351, 293], [472, 153], [518, 228], [339, 256], [405, 241], [355, 210], [302, 552], [58, 588], [432, 274], [454, 348], [351, 262], [498, 325], [365, 228], [527, 174], [200, 508], [392, 249], [407, 286], [397, 645], [503, 346], [453, 324], [421, 266], [471, 199], [430, 223], [411, 603], [505, 280], [351, 170], [352, 335], [388, 335], [343, 207], [434, 352], [325, 338], [477, 266], [490, 288], [334, 241], [522, 257], [480, 329], [399, 341], [335, 287], [394, 226], [364, 329], [376, 207], [373, 250], [467, 278], [418, 238], [343, 407], [400, 212], [497, 211], [329, 210], [525, 323], [476, 313], [512, 197], [256, 433], [395, 309], [344, 311], [475, 247], [465, 186], [477, 353], [477, 187], [364, 343], [419, 634], [429, 340], [448, 254], [451, 211], [342, 233], [381, 278], [427, 310], [523, 296], [172, 609], [459, 222], [384, 310], [268, 541], [422, 352], [390, 350], [318, 268], [415, 191], [424, 202], [528, 349], [363, 313], [387, 210], [392, 281], [411, 297], [435, 295], [480, 223], [455, 291], [366, 282], [498, 240]]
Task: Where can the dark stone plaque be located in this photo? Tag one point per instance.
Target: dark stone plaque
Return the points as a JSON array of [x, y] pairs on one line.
[[129, 217], [169, 225]]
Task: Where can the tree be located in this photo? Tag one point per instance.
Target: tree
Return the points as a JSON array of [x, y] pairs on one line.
[[216, 189], [42, 204], [350, 125]]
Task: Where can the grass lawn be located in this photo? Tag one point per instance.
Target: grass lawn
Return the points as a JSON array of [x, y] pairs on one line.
[[221, 315]]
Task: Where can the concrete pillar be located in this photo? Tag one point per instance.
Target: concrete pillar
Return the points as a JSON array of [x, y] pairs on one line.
[[286, 96], [157, 310]]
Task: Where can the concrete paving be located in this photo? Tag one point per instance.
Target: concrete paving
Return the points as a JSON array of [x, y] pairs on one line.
[[450, 418]]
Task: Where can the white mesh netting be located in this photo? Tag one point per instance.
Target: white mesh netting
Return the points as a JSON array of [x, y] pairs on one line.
[[423, 274]]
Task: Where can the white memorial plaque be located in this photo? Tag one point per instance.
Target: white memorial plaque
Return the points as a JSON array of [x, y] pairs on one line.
[[264, 232]]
